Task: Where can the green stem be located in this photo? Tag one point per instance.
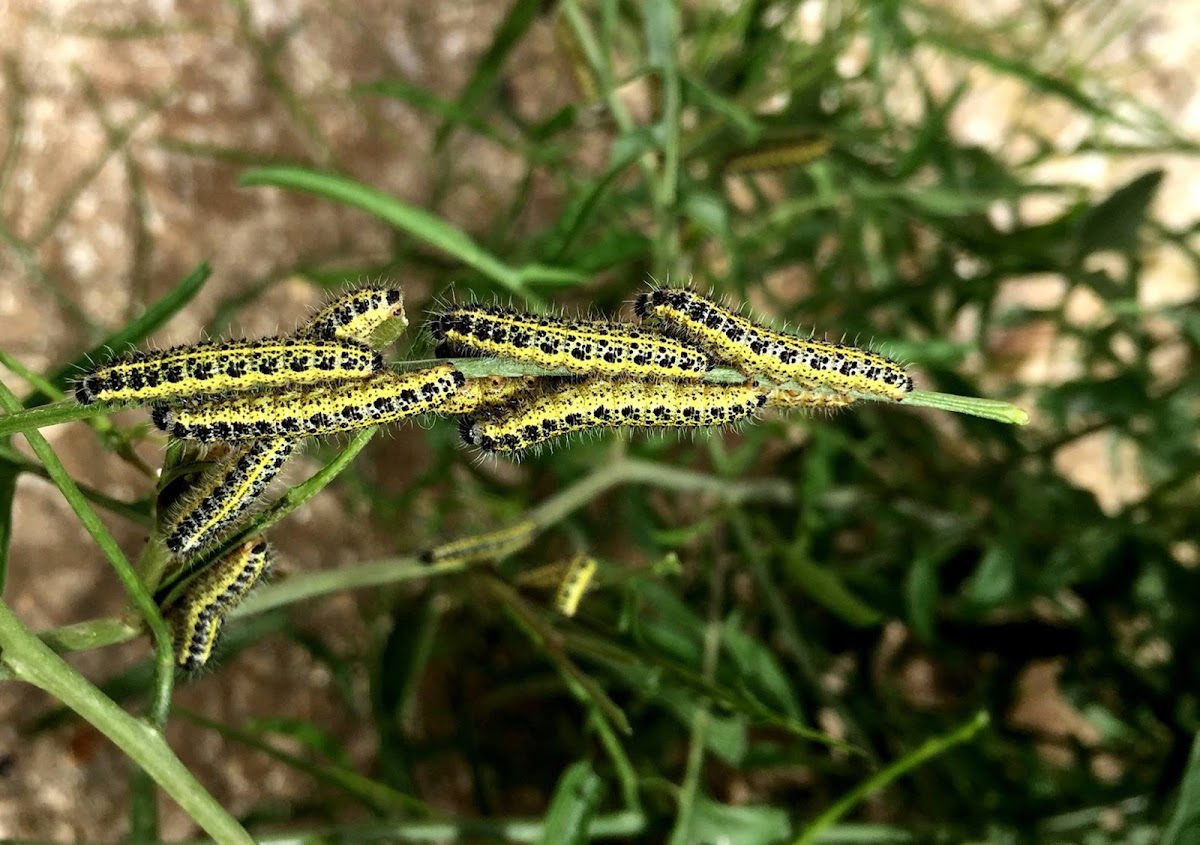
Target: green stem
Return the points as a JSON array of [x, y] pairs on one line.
[[549, 513], [31, 660], [929, 749], [160, 706]]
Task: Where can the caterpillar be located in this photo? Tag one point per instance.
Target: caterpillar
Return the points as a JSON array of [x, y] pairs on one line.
[[315, 411], [477, 394], [756, 350], [206, 369], [493, 545], [356, 315], [224, 493], [575, 584], [779, 153], [805, 399], [196, 617], [583, 347], [601, 403]]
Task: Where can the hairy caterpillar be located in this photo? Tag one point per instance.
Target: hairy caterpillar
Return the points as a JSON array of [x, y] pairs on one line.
[[477, 394], [584, 347], [493, 545], [206, 369], [575, 584], [224, 493], [804, 399], [196, 617], [314, 411], [356, 315], [756, 350], [601, 403]]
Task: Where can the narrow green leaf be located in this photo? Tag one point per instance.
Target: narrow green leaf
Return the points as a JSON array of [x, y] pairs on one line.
[[573, 806], [829, 590], [516, 23], [415, 221], [1184, 826], [425, 100], [1114, 222], [8, 489]]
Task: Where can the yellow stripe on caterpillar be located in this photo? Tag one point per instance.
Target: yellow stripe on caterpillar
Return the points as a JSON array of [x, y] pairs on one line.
[[313, 412], [575, 584], [491, 546], [216, 368], [583, 347], [196, 617], [600, 403], [477, 394], [356, 315], [224, 493], [807, 399], [756, 350]]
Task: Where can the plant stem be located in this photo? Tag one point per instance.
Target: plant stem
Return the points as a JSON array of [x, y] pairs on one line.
[[31, 660]]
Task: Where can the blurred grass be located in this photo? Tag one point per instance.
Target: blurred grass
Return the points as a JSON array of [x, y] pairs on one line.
[[922, 564]]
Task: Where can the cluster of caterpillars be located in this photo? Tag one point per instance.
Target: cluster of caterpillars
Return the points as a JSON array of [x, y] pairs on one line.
[[258, 399]]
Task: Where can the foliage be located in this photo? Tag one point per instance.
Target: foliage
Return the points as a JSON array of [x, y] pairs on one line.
[[740, 674]]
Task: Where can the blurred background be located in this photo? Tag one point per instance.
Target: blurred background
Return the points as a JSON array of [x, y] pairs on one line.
[[1004, 196]]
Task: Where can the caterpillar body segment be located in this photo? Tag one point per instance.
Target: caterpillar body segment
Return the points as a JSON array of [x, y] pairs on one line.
[[218, 368], [224, 494], [356, 315], [600, 403], [313, 412], [757, 350], [583, 347], [196, 617], [575, 584], [478, 394], [492, 545]]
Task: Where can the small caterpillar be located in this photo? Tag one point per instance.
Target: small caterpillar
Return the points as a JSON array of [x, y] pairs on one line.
[[197, 616], [207, 369], [314, 411], [584, 347], [756, 350], [493, 545], [356, 315], [607, 404], [779, 153], [477, 394], [575, 584], [224, 493]]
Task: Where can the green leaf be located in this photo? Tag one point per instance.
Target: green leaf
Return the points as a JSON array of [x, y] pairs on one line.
[[712, 822], [8, 488], [516, 23], [829, 590], [425, 100], [303, 733], [1184, 826], [572, 806], [415, 221], [922, 593], [994, 579], [1114, 222], [759, 669]]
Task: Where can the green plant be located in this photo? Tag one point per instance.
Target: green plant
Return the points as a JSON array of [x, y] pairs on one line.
[[735, 633]]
